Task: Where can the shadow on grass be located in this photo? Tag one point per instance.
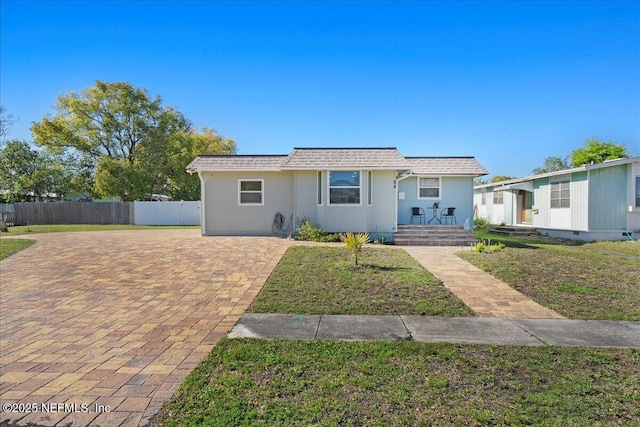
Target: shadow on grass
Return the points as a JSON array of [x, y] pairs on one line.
[[375, 267]]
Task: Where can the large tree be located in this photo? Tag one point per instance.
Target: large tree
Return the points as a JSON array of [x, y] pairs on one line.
[[552, 164], [185, 146], [6, 121], [29, 175], [120, 132], [597, 151]]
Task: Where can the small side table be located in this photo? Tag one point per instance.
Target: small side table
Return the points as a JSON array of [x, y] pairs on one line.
[[435, 215]]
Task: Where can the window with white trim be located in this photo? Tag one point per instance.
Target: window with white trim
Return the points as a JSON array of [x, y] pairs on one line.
[[637, 191], [251, 192], [483, 198], [344, 187], [498, 197], [428, 188], [561, 194]]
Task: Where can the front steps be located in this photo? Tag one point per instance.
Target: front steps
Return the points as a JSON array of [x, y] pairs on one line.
[[433, 235], [513, 231]]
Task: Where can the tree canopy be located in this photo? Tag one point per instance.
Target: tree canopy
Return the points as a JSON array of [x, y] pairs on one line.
[[30, 175], [498, 178], [594, 150], [6, 121], [552, 164], [127, 143], [597, 151]]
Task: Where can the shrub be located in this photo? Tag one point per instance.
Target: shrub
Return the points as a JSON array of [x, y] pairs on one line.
[[481, 224], [353, 242], [309, 232], [483, 247]]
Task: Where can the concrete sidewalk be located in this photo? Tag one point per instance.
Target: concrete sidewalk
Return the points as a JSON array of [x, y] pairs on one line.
[[482, 292], [466, 330]]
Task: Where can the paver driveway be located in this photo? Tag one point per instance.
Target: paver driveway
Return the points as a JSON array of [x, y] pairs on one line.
[[117, 319]]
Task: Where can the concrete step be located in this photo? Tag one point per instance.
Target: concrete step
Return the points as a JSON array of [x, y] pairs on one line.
[[433, 235], [439, 242]]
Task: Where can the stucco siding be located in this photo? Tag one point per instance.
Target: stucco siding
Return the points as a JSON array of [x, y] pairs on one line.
[[306, 196], [608, 198], [224, 215], [379, 217], [454, 192]]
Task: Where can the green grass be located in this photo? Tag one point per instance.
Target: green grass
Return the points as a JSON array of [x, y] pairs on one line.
[[248, 382], [38, 229], [9, 247], [323, 280], [576, 283], [625, 247]]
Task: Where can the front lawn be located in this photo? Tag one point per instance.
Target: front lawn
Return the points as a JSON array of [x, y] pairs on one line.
[[323, 280], [249, 382], [11, 246], [624, 247], [577, 283]]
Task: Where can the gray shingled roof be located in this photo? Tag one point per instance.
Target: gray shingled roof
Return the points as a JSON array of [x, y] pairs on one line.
[[446, 166], [324, 158], [237, 162]]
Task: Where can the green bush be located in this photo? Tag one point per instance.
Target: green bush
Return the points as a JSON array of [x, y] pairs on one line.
[[483, 247], [309, 232], [481, 224]]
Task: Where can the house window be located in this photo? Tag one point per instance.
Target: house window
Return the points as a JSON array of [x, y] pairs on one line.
[[483, 196], [560, 194], [498, 197], [319, 189], [251, 192], [637, 191], [369, 180], [428, 188], [344, 187]]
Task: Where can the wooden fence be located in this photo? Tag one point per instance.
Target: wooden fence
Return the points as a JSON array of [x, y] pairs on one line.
[[71, 213]]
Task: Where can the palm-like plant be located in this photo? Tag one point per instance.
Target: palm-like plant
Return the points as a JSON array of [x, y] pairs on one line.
[[353, 242]]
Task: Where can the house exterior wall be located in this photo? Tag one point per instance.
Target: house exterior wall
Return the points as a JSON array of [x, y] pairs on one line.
[[377, 218], [479, 209], [579, 201], [224, 216], [608, 194], [633, 211], [454, 192], [306, 193], [295, 195], [508, 205]]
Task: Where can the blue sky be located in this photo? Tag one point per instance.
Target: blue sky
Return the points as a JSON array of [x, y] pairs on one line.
[[510, 83]]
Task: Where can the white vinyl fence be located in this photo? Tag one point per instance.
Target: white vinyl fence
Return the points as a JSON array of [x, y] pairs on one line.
[[166, 213]]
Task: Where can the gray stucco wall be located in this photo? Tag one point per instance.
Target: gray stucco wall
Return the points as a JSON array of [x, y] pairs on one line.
[[377, 218], [224, 216], [455, 192]]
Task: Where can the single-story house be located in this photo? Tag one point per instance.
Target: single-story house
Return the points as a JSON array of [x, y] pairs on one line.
[[591, 202], [338, 189]]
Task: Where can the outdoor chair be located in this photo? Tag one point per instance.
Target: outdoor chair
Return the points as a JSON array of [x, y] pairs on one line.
[[447, 213], [419, 212]]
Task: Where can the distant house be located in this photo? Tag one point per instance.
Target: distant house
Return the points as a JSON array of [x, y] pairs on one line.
[[338, 189], [590, 202]]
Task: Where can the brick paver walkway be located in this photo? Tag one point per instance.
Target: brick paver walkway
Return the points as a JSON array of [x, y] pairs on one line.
[[118, 319], [486, 295]]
